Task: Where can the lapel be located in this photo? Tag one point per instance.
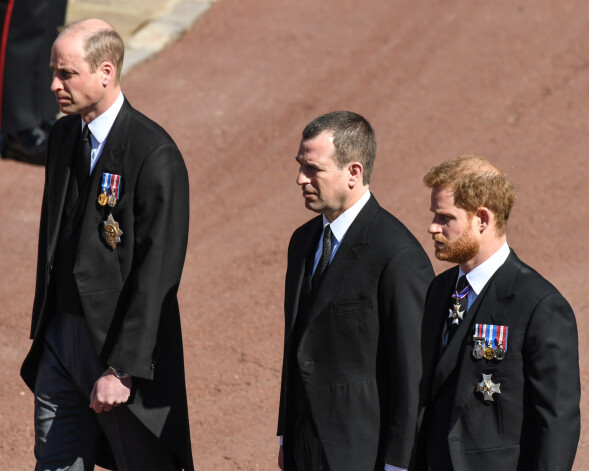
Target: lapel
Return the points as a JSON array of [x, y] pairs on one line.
[[349, 251], [445, 364], [61, 161], [302, 265]]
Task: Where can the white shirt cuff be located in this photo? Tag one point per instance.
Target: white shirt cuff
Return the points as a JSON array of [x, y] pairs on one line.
[[389, 467]]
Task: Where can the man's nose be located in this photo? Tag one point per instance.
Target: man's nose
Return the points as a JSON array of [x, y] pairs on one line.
[[55, 84], [434, 228], [302, 178]]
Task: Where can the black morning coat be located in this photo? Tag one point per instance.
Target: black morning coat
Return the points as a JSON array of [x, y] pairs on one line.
[[534, 422], [128, 294], [359, 356]]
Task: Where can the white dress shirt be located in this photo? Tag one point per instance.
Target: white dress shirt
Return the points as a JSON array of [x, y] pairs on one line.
[[100, 127], [479, 276], [340, 226]]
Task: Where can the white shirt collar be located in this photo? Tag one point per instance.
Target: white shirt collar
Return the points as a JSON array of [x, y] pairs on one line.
[[101, 125], [478, 276], [342, 223]]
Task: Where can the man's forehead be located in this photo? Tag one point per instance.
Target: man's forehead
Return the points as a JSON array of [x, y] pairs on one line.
[[442, 197], [67, 48]]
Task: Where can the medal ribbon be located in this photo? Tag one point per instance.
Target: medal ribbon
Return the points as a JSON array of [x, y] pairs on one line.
[[480, 330], [493, 334], [501, 337], [458, 296], [115, 185], [106, 177], [490, 337]]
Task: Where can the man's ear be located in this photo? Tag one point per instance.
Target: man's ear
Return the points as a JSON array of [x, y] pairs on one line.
[[485, 218], [356, 173], [108, 72]]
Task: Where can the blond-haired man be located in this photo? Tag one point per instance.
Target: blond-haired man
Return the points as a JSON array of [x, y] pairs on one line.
[[106, 363]]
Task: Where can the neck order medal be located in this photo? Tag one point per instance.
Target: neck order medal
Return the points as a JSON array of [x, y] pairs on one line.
[[456, 314]]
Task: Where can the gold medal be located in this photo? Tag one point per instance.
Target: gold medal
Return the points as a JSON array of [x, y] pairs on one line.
[[489, 352], [112, 232], [102, 199]]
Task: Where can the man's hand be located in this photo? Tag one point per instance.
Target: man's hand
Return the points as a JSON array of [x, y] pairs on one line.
[[109, 391], [281, 458]]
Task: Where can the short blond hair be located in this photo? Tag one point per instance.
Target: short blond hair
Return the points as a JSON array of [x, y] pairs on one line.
[[101, 44]]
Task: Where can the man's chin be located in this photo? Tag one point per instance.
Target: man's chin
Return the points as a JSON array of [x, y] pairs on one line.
[[453, 257], [66, 109], [312, 206], [442, 255]]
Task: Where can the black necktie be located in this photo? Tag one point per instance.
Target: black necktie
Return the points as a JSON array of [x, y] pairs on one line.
[[80, 169], [83, 157], [324, 260], [459, 306]]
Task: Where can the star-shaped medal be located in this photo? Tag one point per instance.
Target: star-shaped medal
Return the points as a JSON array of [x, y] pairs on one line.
[[488, 387], [456, 314], [112, 232]]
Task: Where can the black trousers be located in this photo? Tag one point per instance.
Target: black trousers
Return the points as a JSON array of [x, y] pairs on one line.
[[28, 29], [307, 449]]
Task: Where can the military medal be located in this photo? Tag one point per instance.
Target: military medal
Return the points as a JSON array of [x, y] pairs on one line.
[[488, 388], [495, 337], [112, 232], [455, 313], [102, 199], [110, 188], [479, 348], [489, 352], [115, 183], [499, 353], [501, 340]]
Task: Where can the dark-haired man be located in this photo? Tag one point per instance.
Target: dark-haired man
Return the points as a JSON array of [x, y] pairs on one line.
[[355, 288], [500, 385], [106, 364]]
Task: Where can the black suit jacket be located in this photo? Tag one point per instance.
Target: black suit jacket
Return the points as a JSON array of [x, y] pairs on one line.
[[534, 423], [128, 294], [359, 355]]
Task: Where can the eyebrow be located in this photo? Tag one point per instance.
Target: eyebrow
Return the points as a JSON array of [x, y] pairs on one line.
[[440, 212], [301, 159]]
